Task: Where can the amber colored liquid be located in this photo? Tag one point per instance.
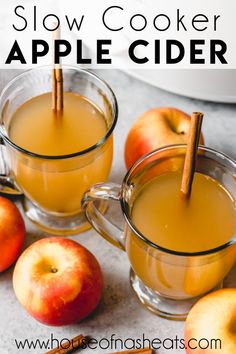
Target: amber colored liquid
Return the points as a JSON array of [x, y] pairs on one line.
[[206, 221], [58, 185]]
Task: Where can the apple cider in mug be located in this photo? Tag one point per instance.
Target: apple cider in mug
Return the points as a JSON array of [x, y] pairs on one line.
[[58, 187], [205, 221]]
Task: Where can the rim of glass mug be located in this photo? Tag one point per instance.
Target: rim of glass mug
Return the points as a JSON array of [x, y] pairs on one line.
[[79, 153], [124, 205]]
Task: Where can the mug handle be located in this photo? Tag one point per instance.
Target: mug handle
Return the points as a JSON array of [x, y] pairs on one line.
[[7, 184], [103, 192]]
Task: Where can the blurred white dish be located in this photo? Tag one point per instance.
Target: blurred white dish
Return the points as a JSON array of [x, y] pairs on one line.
[[212, 85]]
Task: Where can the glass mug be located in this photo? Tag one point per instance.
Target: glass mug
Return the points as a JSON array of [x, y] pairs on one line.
[[53, 186], [165, 281]]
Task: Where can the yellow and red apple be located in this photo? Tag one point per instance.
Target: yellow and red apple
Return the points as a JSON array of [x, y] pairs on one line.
[[156, 128], [211, 324], [12, 233], [58, 281]]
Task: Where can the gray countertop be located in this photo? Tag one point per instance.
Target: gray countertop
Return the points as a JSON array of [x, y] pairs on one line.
[[118, 313]]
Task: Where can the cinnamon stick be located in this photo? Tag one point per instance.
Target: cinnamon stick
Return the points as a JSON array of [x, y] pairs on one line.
[[191, 154], [72, 345], [57, 79], [59, 94], [136, 351]]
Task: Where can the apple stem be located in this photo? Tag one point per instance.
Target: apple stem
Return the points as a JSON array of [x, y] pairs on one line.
[[191, 154], [54, 269]]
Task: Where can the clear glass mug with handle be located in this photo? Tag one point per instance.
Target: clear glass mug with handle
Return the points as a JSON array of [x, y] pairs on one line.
[[165, 281], [53, 186]]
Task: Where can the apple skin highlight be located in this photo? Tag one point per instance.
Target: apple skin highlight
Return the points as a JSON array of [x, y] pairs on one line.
[[212, 318], [156, 128], [58, 281]]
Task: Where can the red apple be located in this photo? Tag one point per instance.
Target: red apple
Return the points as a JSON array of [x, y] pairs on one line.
[[212, 320], [58, 281], [12, 233], [154, 129]]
